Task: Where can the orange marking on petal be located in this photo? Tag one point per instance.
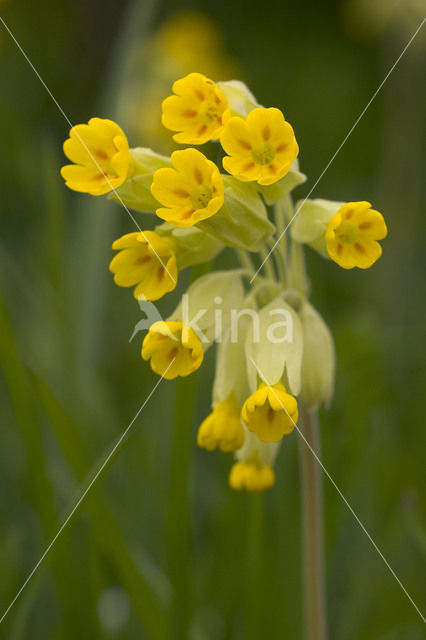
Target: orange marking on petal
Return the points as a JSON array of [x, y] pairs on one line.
[[272, 168], [187, 214], [198, 175], [349, 214], [143, 259], [282, 147], [181, 193], [160, 273], [202, 130], [248, 166], [244, 144], [365, 225], [266, 132], [189, 113], [217, 99], [339, 249], [99, 176], [101, 154], [359, 247], [200, 95]]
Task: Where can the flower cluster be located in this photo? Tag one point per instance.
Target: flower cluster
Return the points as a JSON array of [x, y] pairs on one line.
[[274, 350]]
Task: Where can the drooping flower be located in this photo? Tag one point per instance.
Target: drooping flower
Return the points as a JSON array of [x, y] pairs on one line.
[[173, 349], [222, 428], [261, 148], [251, 475], [270, 412], [352, 235], [100, 153], [198, 110], [191, 192], [146, 260]]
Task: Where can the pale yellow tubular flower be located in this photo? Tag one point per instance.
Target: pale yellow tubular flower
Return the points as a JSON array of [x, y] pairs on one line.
[[251, 475], [146, 260], [198, 110], [352, 235], [270, 412], [100, 153], [191, 192], [222, 428], [173, 349], [260, 148]]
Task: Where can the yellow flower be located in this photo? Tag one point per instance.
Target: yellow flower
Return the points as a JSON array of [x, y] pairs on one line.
[[261, 147], [173, 348], [270, 412], [352, 234], [192, 191], [146, 260], [101, 155], [222, 428], [198, 110], [251, 475]]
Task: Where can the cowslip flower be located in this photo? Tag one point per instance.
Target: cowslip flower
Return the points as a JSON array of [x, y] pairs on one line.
[[222, 428], [173, 349], [191, 192], [251, 475], [197, 111], [100, 153], [260, 148], [146, 260], [352, 234], [270, 412]]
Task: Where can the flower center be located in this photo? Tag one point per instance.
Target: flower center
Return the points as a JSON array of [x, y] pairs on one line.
[[263, 153], [347, 232], [201, 196], [208, 112]]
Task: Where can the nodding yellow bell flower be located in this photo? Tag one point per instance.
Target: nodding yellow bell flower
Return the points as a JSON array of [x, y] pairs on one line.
[[270, 412], [191, 192], [352, 234], [100, 153], [146, 260], [173, 348], [222, 428], [197, 111], [251, 475], [261, 148]]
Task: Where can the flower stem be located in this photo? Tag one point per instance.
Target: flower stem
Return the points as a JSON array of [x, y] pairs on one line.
[[312, 530]]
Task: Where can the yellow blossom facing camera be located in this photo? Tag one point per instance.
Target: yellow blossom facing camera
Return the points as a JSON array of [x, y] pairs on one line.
[[100, 153], [146, 260], [173, 348], [251, 475], [352, 235], [260, 148], [222, 428], [270, 412], [198, 110], [191, 192]]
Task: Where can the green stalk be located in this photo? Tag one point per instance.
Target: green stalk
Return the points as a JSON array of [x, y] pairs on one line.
[[314, 599], [179, 530], [254, 566], [245, 260]]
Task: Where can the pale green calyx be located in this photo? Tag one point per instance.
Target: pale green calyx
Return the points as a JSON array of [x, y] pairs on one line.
[[191, 245], [318, 362], [242, 222], [240, 99], [311, 221], [274, 347], [135, 192]]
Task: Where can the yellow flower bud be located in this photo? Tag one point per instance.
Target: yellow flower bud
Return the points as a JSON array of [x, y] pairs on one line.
[[270, 412], [251, 475], [222, 428]]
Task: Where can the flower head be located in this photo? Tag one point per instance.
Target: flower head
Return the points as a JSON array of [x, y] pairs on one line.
[[100, 153], [222, 428], [146, 260], [261, 147], [191, 192], [252, 475], [197, 111], [173, 348], [352, 234], [270, 412]]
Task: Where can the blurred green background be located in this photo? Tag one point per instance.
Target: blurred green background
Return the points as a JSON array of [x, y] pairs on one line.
[[161, 547]]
